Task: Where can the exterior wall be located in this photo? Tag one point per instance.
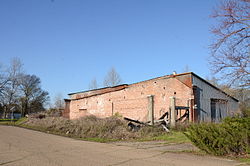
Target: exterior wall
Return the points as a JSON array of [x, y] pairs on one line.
[[205, 93], [132, 101], [66, 111]]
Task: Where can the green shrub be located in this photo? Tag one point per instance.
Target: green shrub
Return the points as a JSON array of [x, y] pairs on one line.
[[227, 138], [245, 111]]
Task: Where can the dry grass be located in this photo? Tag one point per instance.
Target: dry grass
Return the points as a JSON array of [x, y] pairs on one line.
[[90, 127]]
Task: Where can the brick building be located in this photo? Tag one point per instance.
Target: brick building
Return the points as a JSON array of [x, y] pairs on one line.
[[204, 101]]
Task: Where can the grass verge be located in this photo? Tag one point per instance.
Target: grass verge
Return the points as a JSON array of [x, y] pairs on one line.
[[245, 160], [174, 137], [99, 130]]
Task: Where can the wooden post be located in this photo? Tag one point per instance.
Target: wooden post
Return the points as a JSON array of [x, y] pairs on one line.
[[151, 109], [112, 108], [172, 111], [190, 110]]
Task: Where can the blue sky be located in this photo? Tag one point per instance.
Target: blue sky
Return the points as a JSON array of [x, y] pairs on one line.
[[67, 43]]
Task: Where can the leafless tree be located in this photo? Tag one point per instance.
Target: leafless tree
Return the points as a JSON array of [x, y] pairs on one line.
[[186, 69], [93, 84], [230, 49], [58, 101], [112, 78], [10, 86], [3, 80], [33, 97], [19, 91]]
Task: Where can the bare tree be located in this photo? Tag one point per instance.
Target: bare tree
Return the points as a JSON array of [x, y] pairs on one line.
[[230, 50], [58, 101], [33, 97], [19, 91], [213, 80], [3, 81], [186, 69], [93, 84], [112, 78], [10, 86]]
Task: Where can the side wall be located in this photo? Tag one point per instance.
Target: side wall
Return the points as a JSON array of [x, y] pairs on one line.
[[66, 111], [205, 93], [132, 101]]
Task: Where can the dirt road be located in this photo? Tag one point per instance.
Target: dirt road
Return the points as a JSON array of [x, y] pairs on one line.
[[22, 147]]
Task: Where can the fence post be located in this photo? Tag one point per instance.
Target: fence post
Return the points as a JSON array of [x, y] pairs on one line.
[[112, 108], [172, 111], [151, 109]]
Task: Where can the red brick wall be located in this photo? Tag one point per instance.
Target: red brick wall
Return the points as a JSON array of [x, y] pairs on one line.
[[132, 101]]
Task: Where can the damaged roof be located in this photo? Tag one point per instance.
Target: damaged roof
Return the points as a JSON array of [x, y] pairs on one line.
[[186, 81]]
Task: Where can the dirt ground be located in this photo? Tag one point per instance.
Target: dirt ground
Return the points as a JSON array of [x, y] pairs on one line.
[[160, 146], [23, 147]]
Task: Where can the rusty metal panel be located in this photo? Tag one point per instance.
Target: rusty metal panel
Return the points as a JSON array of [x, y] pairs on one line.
[[185, 79]]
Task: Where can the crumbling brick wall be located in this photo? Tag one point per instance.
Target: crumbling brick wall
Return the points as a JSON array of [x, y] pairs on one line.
[[132, 101]]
